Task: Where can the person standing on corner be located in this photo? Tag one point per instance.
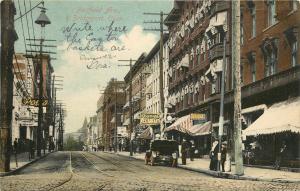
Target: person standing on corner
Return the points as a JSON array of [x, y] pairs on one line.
[[16, 150], [184, 149], [223, 156], [192, 151]]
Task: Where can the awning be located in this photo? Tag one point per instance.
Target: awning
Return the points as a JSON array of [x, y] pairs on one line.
[[182, 124], [254, 108], [280, 117], [200, 129], [146, 134]]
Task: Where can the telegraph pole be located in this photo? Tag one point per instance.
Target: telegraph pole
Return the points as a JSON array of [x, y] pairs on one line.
[[237, 89], [161, 73], [116, 115], [130, 101], [6, 74]]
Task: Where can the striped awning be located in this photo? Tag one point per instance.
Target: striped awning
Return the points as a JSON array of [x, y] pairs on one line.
[[201, 129]]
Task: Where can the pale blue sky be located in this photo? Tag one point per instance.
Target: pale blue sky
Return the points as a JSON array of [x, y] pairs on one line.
[[80, 84]]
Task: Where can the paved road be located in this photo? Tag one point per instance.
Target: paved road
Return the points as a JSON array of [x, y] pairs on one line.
[[103, 171]]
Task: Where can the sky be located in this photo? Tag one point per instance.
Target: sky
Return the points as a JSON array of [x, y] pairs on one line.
[[91, 36]]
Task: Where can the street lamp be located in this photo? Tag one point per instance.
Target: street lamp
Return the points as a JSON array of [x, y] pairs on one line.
[[42, 20]]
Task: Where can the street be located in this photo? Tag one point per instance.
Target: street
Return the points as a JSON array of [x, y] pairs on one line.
[[105, 171]]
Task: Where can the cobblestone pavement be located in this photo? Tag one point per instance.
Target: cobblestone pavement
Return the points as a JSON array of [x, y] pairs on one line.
[[103, 171]]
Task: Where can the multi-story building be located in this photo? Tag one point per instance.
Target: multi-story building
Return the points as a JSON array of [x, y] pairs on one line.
[[100, 121], [269, 72], [24, 119], [152, 80], [113, 102], [271, 76], [138, 77], [195, 60], [92, 133]]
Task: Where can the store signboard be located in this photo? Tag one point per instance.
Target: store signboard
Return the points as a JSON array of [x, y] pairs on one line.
[[198, 116], [149, 119], [34, 102]]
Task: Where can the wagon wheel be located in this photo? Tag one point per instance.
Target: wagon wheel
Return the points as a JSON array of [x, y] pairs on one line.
[[151, 161], [146, 161]]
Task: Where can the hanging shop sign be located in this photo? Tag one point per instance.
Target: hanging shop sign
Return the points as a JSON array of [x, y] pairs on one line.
[[198, 116], [149, 119], [34, 102]]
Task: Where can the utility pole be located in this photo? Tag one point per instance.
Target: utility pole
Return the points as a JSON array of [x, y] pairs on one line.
[[42, 20], [221, 118], [237, 89], [8, 36], [161, 77], [130, 101], [116, 115]]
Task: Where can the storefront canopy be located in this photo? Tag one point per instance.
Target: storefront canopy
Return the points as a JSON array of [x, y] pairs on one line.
[[280, 117], [200, 129], [182, 124]]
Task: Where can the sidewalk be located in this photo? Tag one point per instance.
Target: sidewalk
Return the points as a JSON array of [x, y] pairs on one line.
[[23, 161], [250, 173]]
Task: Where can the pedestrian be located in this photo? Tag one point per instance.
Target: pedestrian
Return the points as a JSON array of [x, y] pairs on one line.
[[192, 151], [175, 158], [184, 149], [27, 143], [214, 156], [279, 156], [32, 149], [16, 146], [223, 156]]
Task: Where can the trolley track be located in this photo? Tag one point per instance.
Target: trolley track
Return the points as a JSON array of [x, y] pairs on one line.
[[73, 175]]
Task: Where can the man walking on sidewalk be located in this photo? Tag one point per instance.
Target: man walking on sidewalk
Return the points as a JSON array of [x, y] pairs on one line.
[[184, 149]]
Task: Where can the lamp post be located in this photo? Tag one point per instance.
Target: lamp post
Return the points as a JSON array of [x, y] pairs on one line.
[[43, 21]]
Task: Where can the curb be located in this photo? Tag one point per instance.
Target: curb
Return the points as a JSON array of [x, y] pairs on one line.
[[15, 171], [223, 174]]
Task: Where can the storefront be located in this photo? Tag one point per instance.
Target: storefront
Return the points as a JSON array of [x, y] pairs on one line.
[[195, 129], [277, 129]]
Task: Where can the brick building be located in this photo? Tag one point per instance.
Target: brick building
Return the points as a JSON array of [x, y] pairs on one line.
[[195, 60], [113, 102], [269, 72]]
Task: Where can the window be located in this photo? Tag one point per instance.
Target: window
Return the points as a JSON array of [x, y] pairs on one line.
[[253, 21], [271, 12], [270, 52], [271, 60], [294, 5], [294, 52], [291, 35], [253, 67], [242, 29]]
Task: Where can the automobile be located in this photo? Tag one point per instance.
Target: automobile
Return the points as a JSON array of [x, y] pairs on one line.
[[162, 152]]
